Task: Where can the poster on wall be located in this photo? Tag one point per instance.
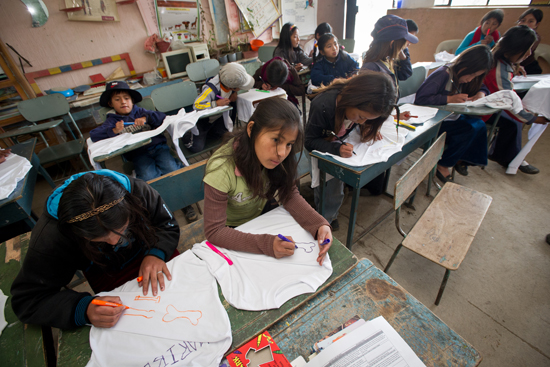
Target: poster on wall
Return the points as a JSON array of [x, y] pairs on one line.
[[235, 19], [302, 13], [149, 14], [260, 14], [178, 19], [221, 25], [93, 10]]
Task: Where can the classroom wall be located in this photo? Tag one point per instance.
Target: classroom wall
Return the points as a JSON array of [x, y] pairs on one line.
[[332, 12], [440, 24]]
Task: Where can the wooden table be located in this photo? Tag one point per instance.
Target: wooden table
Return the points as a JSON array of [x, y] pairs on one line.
[[20, 344], [358, 177], [18, 205], [368, 292], [74, 349]]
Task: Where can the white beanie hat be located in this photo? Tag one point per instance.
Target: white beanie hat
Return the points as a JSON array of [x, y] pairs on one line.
[[234, 75]]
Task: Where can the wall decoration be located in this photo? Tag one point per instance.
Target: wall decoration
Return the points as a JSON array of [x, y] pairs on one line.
[[260, 14], [178, 19], [302, 13], [93, 10]]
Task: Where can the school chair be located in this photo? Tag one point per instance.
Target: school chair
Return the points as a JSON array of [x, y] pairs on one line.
[[147, 103], [450, 46], [447, 228], [348, 43], [201, 70], [265, 53], [182, 188], [48, 107], [411, 85]]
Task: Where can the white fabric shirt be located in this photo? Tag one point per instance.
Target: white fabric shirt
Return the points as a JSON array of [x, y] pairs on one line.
[[12, 170], [185, 325], [259, 282]]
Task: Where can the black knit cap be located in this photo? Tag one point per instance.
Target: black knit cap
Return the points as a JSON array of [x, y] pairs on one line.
[[112, 86]]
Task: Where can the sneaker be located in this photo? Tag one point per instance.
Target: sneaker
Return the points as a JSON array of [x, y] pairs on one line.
[[189, 213], [530, 170], [188, 140], [335, 225]]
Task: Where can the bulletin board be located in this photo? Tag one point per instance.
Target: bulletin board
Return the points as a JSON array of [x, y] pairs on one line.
[[179, 18], [260, 14], [303, 13]]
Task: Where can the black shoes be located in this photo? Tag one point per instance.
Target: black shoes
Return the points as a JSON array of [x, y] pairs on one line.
[[335, 225], [530, 170], [462, 169], [189, 213], [443, 178]]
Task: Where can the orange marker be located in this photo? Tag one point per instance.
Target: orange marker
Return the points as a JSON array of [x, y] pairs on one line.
[[105, 303], [139, 279]]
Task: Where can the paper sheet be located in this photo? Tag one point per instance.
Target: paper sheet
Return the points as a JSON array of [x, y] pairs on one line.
[[3, 322], [258, 282], [245, 101], [12, 170], [537, 100], [374, 344], [189, 326], [530, 78]]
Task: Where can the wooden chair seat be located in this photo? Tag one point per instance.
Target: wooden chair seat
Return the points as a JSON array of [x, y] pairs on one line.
[[60, 152], [447, 228]]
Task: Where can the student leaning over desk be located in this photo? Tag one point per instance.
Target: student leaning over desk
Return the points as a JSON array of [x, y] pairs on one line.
[[253, 171], [111, 227]]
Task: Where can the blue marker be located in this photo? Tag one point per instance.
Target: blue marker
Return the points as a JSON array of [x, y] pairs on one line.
[[325, 242], [128, 123], [285, 239]]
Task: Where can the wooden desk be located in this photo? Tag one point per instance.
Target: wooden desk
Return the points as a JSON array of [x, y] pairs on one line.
[[18, 205], [20, 344], [368, 292], [358, 177], [74, 349]]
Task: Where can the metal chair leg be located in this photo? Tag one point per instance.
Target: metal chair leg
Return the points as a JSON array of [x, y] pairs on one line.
[[392, 258], [198, 208], [442, 288]]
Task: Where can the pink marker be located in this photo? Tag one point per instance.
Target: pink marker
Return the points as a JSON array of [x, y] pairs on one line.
[[213, 248]]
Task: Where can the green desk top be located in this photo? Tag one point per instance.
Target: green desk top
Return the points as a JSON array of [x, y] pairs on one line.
[[20, 344], [468, 110], [31, 129], [74, 348]]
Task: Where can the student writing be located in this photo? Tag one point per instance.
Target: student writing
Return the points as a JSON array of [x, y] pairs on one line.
[[279, 73], [244, 176], [111, 227]]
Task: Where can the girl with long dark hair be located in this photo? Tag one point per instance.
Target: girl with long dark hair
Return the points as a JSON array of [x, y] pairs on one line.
[[364, 101], [532, 18], [289, 47], [458, 82], [111, 227], [332, 62], [279, 73], [485, 34], [513, 48], [250, 173]]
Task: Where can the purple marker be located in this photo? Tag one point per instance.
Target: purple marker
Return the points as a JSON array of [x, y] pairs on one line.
[[325, 242], [285, 239], [220, 97]]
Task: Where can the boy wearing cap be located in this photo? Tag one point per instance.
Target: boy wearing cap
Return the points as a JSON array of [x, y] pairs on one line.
[[220, 90], [150, 161]]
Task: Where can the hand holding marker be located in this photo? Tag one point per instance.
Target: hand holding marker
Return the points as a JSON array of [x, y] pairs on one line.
[[105, 303], [340, 140], [286, 239]]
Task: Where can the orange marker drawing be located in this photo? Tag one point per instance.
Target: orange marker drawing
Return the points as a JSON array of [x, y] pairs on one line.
[[105, 303]]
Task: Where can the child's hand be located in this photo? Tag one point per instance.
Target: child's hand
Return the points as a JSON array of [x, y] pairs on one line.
[[119, 127], [457, 98], [298, 66], [379, 136], [346, 150], [283, 248], [519, 70], [105, 316], [140, 121], [154, 269], [233, 97], [323, 233], [487, 40], [266, 86], [405, 116], [541, 120], [222, 102], [477, 96], [3, 154]]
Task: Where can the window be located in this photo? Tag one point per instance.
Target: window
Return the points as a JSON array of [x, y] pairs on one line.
[[480, 2]]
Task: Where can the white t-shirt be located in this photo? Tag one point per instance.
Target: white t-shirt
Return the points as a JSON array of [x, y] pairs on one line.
[[308, 47], [259, 282], [185, 325]]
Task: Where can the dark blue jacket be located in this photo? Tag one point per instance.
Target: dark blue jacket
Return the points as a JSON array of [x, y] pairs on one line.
[[324, 71], [154, 118], [403, 68]]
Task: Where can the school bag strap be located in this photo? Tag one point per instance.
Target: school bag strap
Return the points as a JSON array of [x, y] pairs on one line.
[[212, 86]]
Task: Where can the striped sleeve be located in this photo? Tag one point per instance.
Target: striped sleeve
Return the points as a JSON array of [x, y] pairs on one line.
[[205, 100], [503, 78]]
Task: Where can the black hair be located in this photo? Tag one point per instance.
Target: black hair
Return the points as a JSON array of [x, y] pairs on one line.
[[323, 28], [412, 26], [368, 91], [91, 191], [537, 13], [322, 42], [276, 73], [516, 41], [384, 50], [474, 59], [285, 44], [496, 14], [270, 115], [116, 92]]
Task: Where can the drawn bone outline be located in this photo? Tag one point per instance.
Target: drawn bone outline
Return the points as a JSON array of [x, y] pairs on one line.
[[313, 244], [193, 319], [143, 298]]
